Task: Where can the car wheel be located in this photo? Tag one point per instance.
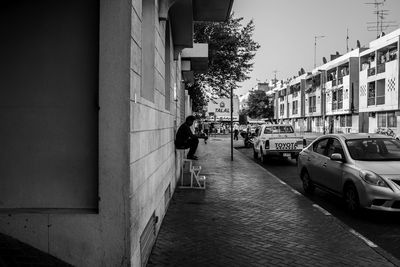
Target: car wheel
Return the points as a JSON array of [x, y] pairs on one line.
[[255, 153], [308, 185], [351, 198], [262, 157]]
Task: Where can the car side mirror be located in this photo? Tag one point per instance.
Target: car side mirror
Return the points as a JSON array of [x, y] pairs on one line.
[[336, 157]]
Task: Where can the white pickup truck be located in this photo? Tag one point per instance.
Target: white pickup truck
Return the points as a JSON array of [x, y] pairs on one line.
[[277, 139]]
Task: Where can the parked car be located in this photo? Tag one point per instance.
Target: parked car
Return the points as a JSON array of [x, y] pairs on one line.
[[362, 168], [279, 140]]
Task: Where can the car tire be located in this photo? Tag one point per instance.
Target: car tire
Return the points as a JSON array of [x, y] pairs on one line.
[[351, 199], [308, 185], [262, 156], [255, 153]]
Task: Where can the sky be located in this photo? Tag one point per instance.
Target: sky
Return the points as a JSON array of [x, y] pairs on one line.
[[285, 29]]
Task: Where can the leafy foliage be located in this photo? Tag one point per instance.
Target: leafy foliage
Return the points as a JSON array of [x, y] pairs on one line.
[[259, 105], [231, 51]]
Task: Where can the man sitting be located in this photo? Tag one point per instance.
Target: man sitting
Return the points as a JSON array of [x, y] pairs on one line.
[[186, 139]]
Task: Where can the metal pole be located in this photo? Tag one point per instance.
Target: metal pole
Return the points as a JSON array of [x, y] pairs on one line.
[[323, 97], [315, 51], [231, 123]]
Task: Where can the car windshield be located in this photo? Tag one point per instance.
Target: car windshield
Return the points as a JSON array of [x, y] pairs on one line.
[[278, 129], [374, 149]]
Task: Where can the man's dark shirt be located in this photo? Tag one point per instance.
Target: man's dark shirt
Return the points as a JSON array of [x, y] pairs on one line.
[[183, 135]]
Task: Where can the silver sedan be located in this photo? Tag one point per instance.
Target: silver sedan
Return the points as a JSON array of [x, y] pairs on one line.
[[362, 168]]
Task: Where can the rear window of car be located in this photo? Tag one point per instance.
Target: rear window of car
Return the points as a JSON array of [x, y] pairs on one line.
[[374, 149], [278, 129]]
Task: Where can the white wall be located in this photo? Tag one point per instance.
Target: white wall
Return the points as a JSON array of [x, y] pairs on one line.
[[153, 159]]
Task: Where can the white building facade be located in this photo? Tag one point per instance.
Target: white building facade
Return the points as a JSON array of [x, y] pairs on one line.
[[354, 92]]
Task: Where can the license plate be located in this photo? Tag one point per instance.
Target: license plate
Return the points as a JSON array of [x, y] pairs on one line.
[[286, 154], [285, 146]]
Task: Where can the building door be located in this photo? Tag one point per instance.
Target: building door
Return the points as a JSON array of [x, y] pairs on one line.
[[363, 122], [309, 124]]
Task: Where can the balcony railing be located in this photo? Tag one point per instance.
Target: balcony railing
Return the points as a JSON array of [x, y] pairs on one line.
[[380, 100], [340, 81], [333, 82], [380, 68], [312, 109], [371, 101], [334, 106], [371, 71], [340, 105]]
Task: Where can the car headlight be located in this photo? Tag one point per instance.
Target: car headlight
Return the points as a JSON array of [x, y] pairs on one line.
[[372, 178]]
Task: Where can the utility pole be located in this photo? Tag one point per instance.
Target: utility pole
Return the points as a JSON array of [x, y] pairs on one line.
[[231, 123], [315, 48], [323, 99]]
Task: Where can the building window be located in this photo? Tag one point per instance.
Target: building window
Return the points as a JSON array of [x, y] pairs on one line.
[[148, 47], [312, 103], [371, 93], [342, 121], [282, 109], [318, 121], [340, 99], [337, 99], [295, 107], [349, 121], [387, 119], [392, 121], [380, 92], [382, 120], [334, 100]]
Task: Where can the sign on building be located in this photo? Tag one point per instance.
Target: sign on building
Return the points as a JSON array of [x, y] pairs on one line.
[[221, 109]]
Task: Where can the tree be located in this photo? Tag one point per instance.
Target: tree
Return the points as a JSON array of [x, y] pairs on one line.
[[259, 105], [231, 50]]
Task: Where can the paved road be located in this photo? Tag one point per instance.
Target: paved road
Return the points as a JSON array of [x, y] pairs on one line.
[[382, 228]]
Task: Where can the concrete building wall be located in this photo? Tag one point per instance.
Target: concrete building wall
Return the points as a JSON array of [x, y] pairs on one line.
[[153, 160], [99, 239]]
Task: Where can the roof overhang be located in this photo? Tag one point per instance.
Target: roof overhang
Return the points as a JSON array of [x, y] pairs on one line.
[[212, 10], [198, 57], [182, 14]]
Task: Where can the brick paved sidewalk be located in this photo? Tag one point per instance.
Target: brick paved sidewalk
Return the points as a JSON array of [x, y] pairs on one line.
[[246, 217]]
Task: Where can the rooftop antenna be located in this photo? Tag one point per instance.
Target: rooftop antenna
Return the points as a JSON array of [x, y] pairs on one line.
[[347, 40], [380, 24], [315, 48], [275, 72]]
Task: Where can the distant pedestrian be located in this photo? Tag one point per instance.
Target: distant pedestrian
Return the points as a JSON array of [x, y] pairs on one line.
[[206, 128], [236, 132]]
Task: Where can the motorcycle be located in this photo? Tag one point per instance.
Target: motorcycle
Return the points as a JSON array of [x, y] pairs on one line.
[[248, 139]]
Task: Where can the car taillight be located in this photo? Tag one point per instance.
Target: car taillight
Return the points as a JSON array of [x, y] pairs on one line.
[[267, 144], [304, 142]]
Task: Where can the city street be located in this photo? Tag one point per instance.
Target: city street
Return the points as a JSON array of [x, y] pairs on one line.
[[382, 228]]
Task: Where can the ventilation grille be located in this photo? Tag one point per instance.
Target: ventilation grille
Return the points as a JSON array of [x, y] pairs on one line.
[[147, 239]]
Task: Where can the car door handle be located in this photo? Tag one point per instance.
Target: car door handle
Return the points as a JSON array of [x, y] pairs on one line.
[[324, 165]]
